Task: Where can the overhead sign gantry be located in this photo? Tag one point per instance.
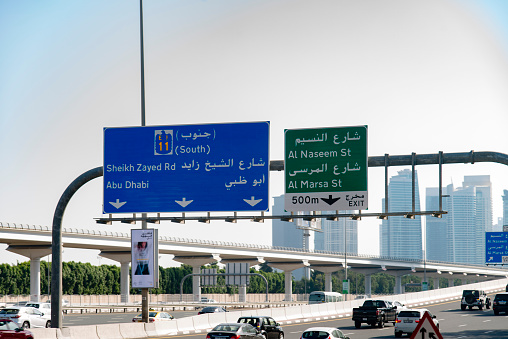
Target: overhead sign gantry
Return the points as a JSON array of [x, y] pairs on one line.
[[186, 168], [326, 169]]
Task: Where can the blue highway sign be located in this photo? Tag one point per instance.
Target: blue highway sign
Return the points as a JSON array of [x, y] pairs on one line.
[[187, 168], [496, 247]]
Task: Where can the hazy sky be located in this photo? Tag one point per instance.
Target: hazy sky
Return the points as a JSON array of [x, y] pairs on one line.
[[425, 76]]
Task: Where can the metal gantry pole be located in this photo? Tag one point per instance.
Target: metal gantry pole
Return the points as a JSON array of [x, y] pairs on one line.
[[144, 291]]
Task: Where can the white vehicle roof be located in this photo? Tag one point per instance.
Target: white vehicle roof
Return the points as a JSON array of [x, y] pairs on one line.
[[325, 329]]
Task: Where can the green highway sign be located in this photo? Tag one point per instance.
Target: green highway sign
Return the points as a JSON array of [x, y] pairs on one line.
[[326, 169]]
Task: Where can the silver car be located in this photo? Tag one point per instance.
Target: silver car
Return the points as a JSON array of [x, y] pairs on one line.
[[26, 317]]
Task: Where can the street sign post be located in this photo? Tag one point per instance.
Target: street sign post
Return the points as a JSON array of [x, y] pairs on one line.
[[496, 248], [187, 168], [326, 169]]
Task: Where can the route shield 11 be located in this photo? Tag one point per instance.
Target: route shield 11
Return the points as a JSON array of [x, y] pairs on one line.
[[326, 169], [187, 168]]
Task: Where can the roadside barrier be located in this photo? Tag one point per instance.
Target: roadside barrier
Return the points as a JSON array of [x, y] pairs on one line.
[[82, 332], [47, 333], [111, 331], [132, 330], [200, 323]]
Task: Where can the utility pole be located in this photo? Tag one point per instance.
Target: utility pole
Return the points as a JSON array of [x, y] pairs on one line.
[[144, 291]]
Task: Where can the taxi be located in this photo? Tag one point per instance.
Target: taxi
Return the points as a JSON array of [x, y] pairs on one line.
[[154, 316]]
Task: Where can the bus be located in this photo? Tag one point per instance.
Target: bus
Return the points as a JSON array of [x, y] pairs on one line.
[[319, 297]]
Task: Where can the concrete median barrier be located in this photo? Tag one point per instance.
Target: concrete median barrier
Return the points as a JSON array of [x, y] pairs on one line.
[[165, 327], [293, 312], [81, 332], [201, 322], [216, 318], [279, 314], [185, 325], [109, 331], [132, 330], [46, 333]]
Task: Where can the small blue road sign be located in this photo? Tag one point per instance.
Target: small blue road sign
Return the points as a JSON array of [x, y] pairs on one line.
[[496, 247], [187, 168]]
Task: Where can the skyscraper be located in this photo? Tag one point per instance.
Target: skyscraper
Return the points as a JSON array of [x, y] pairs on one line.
[[436, 231], [332, 236], [469, 217], [399, 236], [461, 232]]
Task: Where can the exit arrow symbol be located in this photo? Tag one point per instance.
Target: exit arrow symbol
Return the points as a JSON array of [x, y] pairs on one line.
[[330, 201], [252, 201], [184, 202], [118, 204], [423, 331]]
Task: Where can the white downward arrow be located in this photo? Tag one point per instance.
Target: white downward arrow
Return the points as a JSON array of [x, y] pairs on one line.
[[252, 201], [118, 204], [183, 202]]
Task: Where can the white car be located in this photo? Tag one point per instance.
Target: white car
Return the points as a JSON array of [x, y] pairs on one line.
[[323, 333], [26, 317], [43, 307], [408, 319]]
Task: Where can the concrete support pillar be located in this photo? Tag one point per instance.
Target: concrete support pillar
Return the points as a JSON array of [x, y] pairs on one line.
[[196, 262], [328, 281], [451, 282], [288, 286], [124, 258], [436, 283], [196, 283], [242, 291], [368, 285], [35, 253], [327, 270], [35, 279], [124, 282], [288, 268], [397, 289]]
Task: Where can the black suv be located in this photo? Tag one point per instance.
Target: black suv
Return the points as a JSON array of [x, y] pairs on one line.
[[476, 298], [265, 325], [500, 303]]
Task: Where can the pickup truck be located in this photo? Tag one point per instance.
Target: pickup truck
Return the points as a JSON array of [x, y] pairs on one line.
[[375, 312]]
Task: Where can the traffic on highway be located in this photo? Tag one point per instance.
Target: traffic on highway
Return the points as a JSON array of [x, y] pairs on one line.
[[454, 323]]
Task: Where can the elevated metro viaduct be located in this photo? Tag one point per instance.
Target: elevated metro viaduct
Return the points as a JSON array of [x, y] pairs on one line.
[[34, 242]]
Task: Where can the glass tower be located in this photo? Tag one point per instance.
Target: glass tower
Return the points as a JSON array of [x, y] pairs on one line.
[[401, 237]]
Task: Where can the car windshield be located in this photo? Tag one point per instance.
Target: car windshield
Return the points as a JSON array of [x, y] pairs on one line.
[[315, 335], [9, 311], [409, 314], [317, 297], [374, 303], [226, 327], [32, 305]]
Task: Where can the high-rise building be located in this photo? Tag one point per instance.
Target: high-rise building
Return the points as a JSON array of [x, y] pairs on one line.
[[469, 217], [401, 237], [461, 232], [436, 231], [284, 233], [331, 238]]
